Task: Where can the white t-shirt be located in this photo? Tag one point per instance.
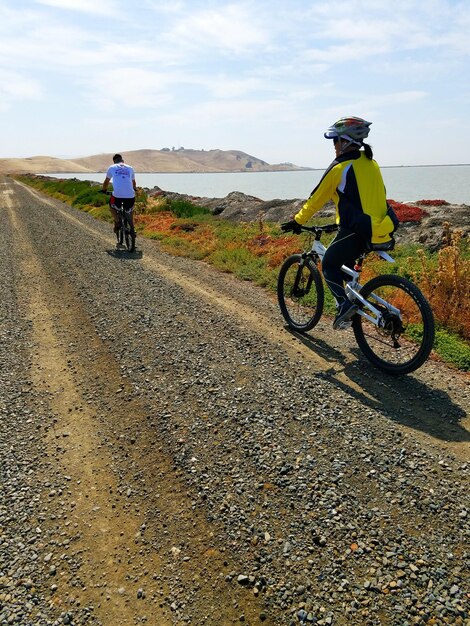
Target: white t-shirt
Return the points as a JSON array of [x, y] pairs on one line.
[[122, 176]]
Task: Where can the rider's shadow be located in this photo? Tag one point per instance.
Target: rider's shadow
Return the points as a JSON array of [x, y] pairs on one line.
[[409, 401], [402, 399], [122, 253], [323, 349]]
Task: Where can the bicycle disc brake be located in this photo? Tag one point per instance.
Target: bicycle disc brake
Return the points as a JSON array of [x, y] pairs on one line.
[[392, 326]]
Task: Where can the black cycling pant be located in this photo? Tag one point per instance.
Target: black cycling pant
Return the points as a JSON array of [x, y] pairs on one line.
[[126, 203], [345, 248]]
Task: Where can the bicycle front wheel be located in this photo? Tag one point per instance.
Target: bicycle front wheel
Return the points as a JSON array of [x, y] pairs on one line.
[[403, 340], [300, 293]]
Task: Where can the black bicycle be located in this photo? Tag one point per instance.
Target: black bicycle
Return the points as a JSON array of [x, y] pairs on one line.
[[394, 324], [125, 231]]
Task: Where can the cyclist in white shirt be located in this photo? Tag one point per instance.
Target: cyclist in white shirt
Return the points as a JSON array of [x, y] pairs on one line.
[[124, 188]]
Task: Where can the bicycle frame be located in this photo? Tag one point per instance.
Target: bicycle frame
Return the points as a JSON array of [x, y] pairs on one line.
[[126, 230], [123, 215], [353, 287]]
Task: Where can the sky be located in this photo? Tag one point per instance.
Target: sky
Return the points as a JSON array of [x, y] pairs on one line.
[[84, 77]]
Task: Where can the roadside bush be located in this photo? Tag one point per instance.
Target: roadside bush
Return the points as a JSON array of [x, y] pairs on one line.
[[452, 349], [447, 285], [184, 208], [89, 198], [241, 262]]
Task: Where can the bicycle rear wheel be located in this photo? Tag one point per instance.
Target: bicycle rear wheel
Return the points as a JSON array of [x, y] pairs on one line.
[[300, 293], [129, 234], [120, 233], [404, 341]]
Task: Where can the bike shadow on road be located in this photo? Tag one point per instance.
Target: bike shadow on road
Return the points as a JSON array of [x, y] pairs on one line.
[[118, 253], [407, 400], [320, 348]]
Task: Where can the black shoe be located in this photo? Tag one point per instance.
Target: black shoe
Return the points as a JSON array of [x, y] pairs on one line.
[[343, 317]]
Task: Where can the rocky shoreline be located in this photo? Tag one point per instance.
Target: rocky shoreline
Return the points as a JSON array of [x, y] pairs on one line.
[[431, 231]]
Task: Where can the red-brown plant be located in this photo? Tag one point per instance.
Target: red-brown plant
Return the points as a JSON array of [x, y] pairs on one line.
[[407, 212], [433, 202]]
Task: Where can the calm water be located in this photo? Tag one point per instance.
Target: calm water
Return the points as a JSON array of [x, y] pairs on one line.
[[451, 183]]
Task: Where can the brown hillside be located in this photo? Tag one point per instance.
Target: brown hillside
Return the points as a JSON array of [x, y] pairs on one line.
[[40, 165], [149, 161]]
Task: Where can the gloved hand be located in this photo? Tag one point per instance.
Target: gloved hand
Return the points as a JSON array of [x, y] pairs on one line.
[[291, 226]]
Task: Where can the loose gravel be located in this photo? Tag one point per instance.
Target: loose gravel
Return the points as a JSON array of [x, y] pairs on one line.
[[323, 503]]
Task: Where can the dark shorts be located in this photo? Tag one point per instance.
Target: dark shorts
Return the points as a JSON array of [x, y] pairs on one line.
[[125, 203]]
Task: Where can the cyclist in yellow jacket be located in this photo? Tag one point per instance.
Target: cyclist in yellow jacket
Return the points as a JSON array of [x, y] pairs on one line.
[[354, 182]]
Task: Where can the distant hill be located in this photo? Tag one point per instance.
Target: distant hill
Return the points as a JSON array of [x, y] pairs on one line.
[[181, 160]]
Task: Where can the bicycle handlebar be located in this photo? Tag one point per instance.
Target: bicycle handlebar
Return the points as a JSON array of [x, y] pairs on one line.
[[328, 228]]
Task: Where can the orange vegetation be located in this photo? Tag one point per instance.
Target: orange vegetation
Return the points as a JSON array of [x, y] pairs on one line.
[[275, 249], [199, 240], [156, 221], [448, 288]]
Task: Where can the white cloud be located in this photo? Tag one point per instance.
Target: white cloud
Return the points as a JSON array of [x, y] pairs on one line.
[[103, 7], [126, 87], [372, 101], [15, 86], [360, 29], [231, 28]]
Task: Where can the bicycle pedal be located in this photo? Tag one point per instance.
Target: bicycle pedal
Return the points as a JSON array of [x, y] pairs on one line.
[[343, 325]]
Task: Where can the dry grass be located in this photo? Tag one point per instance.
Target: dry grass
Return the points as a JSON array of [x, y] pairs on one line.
[[447, 287]]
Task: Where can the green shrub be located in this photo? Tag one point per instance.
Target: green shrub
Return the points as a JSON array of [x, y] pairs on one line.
[[100, 213], [239, 261], [452, 349], [184, 208], [89, 197]]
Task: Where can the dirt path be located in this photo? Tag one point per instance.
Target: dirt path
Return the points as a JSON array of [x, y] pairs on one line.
[[168, 426], [101, 519]]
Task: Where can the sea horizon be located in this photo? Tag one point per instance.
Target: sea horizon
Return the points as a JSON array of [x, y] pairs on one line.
[[404, 183]]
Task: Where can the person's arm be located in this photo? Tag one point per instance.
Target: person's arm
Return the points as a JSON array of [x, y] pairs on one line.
[[106, 183], [323, 192]]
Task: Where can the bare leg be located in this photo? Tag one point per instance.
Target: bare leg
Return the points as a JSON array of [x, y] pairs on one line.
[[114, 213]]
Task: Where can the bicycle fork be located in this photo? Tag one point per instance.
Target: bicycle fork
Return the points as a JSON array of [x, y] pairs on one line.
[[297, 290]]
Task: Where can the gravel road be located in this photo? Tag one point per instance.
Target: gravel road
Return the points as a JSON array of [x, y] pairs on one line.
[[172, 455]]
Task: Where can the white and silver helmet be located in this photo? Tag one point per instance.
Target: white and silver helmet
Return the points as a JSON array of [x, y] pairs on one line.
[[352, 129]]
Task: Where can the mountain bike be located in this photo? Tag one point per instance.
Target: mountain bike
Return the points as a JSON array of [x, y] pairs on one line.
[[125, 231], [393, 325]]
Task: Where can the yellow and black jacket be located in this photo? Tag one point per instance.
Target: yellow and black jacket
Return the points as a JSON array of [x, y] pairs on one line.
[[355, 185]]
